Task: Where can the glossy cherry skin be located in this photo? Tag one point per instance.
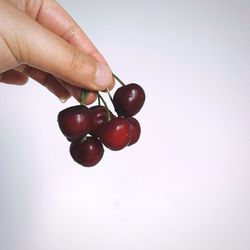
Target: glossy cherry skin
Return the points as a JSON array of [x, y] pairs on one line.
[[87, 152], [129, 99], [135, 129], [99, 115], [74, 121], [115, 134]]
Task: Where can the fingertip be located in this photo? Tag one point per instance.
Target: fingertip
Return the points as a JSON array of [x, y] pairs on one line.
[[58, 90], [91, 98], [23, 79], [64, 98]]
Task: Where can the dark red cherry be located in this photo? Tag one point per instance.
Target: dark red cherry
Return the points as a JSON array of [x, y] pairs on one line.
[[87, 152], [75, 121], [135, 130], [115, 134], [99, 116], [129, 99]]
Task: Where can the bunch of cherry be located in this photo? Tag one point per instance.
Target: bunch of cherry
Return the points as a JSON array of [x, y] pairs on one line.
[[89, 128]]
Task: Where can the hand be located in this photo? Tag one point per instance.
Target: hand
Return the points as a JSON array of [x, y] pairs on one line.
[[38, 39]]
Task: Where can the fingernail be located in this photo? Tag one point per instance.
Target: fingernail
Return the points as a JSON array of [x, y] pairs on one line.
[[103, 76], [63, 99]]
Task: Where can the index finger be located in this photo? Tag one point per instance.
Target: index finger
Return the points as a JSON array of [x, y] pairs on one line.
[[53, 17]]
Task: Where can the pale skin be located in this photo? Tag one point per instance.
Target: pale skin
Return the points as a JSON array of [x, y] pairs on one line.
[[39, 40]]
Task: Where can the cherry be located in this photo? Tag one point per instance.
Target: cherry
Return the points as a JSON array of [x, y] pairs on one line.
[[75, 121], [135, 130], [99, 116], [129, 99], [115, 134], [87, 152]]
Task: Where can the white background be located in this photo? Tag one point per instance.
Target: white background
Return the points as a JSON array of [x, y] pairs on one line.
[[185, 185]]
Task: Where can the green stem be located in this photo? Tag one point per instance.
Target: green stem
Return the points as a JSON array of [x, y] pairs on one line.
[[106, 106], [118, 79], [84, 96], [110, 97], [99, 101]]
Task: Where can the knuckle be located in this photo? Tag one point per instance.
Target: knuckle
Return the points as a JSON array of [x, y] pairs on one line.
[[7, 52], [74, 62], [19, 50], [70, 33]]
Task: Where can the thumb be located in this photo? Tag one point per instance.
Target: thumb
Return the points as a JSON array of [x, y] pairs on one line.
[[38, 47]]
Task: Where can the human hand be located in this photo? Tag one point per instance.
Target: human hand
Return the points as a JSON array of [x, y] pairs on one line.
[[38, 39]]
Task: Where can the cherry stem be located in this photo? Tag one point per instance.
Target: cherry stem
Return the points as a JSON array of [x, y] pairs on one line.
[[84, 96], [118, 79], [110, 97], [105, 105], [99, 101]]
